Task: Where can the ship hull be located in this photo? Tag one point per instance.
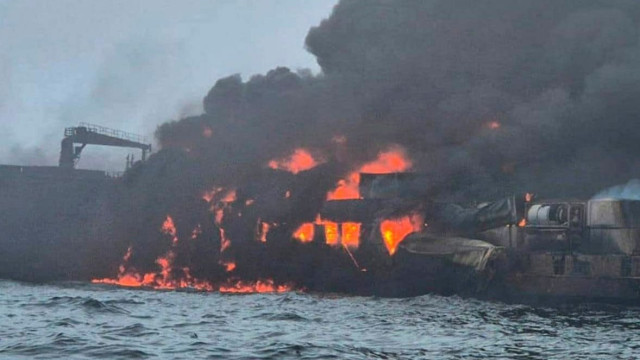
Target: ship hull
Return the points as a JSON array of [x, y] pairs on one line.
[[55, 224]]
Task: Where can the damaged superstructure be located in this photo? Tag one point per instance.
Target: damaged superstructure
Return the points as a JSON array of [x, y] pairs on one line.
[[377, 233], [517, 248], [577, 249]]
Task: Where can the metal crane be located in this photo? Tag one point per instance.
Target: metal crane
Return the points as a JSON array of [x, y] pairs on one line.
[[85, 134]]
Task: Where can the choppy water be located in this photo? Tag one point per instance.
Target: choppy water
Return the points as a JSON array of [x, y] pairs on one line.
[[93, 321]]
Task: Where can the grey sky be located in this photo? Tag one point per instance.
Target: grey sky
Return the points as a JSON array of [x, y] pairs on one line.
[[131, 64]]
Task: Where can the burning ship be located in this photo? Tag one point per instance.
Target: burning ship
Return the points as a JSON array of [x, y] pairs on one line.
[[391, 172], [377, 232]]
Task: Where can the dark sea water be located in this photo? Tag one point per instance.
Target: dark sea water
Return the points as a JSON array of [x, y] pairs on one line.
[[81, 321]]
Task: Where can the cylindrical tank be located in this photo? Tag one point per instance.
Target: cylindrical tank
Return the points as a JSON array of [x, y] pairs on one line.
[[547, 214]]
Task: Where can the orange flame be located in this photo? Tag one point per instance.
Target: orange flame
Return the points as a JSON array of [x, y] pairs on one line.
[[351, 234], [347, 233], [305, 232], [390, 161], [230, 196], [263, 231], [170, 278], [210, 194], [218, 208], [224, 241], [238, 287], [229, 266], [395, 230], [522, 222], [169, 228], [346, 188], [331, 233], [218, 215], [162, 279], [300, 160], [264, 286]]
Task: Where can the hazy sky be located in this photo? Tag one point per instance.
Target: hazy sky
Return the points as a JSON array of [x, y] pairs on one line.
[[131, 64]]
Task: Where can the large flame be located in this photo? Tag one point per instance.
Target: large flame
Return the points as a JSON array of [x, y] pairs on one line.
[[170, 278], [163, 279], [393, 231], [389, 161], [168, 275], [346, 233], [300, 160]]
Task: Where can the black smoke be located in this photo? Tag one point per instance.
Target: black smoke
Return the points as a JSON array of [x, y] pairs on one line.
[[560, 77], [489, 98]]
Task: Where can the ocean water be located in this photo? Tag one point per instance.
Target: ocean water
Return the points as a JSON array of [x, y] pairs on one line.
[[86, 321]]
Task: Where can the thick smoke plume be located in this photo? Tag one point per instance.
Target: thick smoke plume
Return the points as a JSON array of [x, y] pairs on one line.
[[630, 190], [559, 81], [487, 98]]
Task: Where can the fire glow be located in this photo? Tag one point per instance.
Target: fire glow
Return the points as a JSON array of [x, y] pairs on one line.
[[260, 286], [208, 196], [300, 160], [305, 232], [493, 125], [263, 230], [169, 228], [161, 280], [346, 233], [222, 202], [218, 207], [389, 161], [394, 231], [170, 278], [528, 197]]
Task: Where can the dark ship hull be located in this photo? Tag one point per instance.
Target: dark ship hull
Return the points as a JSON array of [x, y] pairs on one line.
[[55, 223], [543, 279]]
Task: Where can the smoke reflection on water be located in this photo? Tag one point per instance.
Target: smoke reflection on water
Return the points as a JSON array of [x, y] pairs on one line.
[[87, 321]]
